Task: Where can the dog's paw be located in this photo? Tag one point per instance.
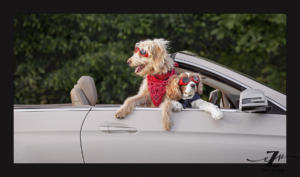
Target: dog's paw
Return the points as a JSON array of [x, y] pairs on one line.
[[166, 126], [176, 106], [217, 114], [121, 113]]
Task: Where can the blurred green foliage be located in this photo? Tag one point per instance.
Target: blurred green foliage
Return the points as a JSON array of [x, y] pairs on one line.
[[52, 51]]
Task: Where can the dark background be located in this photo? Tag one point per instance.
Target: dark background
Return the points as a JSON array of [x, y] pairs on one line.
[[288, 7], [52, 51]]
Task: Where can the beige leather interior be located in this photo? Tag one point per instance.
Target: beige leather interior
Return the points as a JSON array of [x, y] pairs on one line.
[[213, 96], [84, 92], [226, 104]]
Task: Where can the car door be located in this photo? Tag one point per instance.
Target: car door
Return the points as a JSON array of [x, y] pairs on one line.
[[194, 137]]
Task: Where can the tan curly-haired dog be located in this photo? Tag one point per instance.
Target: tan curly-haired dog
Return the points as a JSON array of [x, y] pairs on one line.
[[186, 93], [152, 62]]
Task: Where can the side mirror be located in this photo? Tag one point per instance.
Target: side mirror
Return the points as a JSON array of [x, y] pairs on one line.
[[253, 100]]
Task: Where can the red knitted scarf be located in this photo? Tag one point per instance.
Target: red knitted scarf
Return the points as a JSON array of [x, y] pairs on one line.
[[157, 86]]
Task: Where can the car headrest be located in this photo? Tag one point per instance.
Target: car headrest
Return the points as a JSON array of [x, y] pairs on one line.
[[78, 97], [87, 85], [213, 96], [84, 92]]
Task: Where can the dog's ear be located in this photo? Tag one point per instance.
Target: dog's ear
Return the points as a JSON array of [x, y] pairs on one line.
[[158, 57], [173, 91], [200, 84]]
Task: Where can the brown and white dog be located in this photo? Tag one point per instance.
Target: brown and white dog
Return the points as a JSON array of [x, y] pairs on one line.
[[184, 92], [152, 62]]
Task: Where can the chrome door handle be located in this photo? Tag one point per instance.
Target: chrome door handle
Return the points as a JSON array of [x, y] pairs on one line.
[[118, 129], [113, 127]]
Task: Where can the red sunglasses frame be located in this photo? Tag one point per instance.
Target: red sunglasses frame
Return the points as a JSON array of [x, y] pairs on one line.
[[192, 78], [136, 50]]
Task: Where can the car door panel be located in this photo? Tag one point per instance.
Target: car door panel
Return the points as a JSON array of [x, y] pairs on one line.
[[194, 137]]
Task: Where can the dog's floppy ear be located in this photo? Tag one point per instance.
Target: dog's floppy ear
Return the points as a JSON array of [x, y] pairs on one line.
[[160, 53], [158, 57], [173, 91], [200, 84]]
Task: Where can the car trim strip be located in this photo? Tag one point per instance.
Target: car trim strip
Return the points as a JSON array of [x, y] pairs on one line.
[[51, 109], [157, 109], [110, 109], [227, 77]]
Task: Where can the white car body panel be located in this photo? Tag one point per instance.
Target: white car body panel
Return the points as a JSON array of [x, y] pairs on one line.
[[51, 136]]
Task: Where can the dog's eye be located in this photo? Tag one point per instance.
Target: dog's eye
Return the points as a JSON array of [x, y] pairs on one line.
[[143, 52]]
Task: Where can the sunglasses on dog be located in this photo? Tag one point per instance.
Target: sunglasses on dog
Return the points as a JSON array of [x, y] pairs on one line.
[[142, 52], [186, 80]]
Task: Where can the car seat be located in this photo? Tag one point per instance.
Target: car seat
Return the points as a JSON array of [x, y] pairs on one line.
[[213, 97], [84, 92]]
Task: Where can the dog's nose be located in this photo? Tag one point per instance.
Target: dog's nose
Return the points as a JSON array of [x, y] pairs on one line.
[[193, 85], [129, 61]]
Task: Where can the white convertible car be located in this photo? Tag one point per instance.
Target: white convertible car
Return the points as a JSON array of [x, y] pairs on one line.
[[89, 133]]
